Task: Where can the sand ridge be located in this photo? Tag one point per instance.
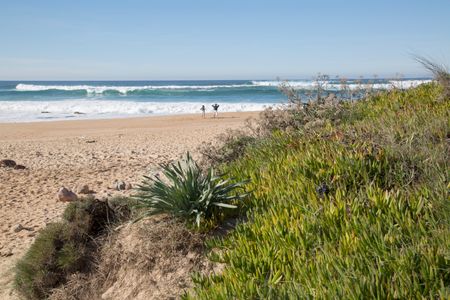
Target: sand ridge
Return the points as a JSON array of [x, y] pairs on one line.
[[92, 152]]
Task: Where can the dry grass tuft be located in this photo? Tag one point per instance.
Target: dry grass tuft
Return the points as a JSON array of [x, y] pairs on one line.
[[440, 73]]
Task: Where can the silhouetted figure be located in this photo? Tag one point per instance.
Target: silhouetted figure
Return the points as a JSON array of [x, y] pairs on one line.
[[203, 110], [215, 107]]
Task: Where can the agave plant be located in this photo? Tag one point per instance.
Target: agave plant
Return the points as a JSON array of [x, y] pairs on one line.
[[187, 192]]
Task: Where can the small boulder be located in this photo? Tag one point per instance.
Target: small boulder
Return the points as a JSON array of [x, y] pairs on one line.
[[18, 228], [66, 195], [7, 163], [83, 189], [120, 185]]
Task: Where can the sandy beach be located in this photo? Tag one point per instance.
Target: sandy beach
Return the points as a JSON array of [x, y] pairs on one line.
[[96, 153]]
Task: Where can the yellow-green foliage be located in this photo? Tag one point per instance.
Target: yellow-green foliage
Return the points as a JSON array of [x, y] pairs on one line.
[[355, 211]]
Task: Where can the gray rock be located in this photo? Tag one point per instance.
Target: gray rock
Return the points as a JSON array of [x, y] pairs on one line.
[[120, 185], [66, 195], [83, 189], [18, 228], [9, 163]]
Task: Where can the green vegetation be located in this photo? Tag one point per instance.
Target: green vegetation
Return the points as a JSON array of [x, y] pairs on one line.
[[352, 203], [190, 193], [54, 254], [63, 248]]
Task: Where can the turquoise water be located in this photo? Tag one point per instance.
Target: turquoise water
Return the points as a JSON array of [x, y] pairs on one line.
[[53, 100]]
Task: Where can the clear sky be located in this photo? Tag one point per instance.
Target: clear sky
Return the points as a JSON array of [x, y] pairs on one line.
[[233, 39]]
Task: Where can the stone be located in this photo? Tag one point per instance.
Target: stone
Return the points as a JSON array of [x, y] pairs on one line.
[[7, 163], [19, 167], [66, 195], [121, 185], [83, 189], [18, 228]]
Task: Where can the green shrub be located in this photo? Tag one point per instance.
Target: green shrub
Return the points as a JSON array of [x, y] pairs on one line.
[[232, 146], [188, 193], [89, 216], [356, 209], [55, 253], [123, 208], [63, 248]]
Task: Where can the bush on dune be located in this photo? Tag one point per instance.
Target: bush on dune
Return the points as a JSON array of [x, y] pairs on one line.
[[351, 209], [232, 146], [63, 248]]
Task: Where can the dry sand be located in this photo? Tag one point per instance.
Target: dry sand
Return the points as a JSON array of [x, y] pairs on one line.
[[92, 152]]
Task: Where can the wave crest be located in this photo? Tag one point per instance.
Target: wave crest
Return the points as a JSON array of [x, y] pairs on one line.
[[297, 84], [92, 89], [351, 84]]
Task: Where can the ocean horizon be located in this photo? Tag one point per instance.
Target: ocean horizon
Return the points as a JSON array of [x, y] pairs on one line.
[[27, 101]]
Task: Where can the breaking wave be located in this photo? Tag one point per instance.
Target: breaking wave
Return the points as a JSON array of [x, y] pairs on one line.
[[89, 109], [298, 84]]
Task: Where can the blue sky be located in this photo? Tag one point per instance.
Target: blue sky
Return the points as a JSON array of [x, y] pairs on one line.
[[194, 39]]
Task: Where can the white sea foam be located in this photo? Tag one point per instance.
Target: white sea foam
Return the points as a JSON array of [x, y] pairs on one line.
[[123, 89], [298, 84], [310, 85], [22, 111]]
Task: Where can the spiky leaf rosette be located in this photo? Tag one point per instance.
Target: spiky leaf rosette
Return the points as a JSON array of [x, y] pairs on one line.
[[186, 192]]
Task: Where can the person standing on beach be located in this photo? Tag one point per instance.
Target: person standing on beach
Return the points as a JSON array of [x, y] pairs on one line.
[[215, 107], [203, 111]]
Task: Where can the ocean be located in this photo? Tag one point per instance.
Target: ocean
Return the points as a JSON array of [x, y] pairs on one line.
[[24, 101]]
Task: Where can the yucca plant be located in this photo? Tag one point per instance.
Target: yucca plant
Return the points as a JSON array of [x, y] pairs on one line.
[[187, 192]]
